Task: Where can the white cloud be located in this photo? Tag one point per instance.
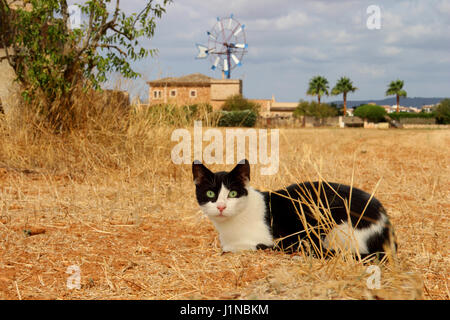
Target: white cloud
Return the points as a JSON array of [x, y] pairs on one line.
[[392, 20], [444, 6], [373, 71], [339, 36], [419, 31], [290, 40], [310, 53], [289, 21], [390, 50]]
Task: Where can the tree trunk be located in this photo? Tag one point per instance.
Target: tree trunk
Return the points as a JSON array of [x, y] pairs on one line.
[[318, 98], [345, 104], [398, 103]]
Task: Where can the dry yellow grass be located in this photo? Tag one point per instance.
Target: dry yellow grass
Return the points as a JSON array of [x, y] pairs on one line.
[[113, 204]]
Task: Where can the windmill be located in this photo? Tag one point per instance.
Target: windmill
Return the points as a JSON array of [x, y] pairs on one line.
[[226, 45]]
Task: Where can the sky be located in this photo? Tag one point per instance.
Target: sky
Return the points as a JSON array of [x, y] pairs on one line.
[[291, 41]]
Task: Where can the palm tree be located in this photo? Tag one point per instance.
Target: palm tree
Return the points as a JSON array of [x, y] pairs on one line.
[[396, 88], [318, 86], [343, 85]]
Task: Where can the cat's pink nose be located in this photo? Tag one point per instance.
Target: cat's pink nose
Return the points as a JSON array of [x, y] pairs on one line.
[[221, 207]]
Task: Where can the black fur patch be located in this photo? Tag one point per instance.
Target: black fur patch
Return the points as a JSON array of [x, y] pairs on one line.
[[205, 180]]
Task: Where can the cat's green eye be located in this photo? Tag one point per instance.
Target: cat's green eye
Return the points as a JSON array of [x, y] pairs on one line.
[[232, 194], [210, 194]]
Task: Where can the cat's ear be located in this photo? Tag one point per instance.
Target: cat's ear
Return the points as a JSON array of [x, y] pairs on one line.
[[200, 172], [242, 171]]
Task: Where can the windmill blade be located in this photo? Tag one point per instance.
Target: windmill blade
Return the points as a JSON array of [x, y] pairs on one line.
[[202, 51], [210, 35], [220, 24], [241, 45], [236, 60], [239, 30], [216, 63], [230, 22], [225, 65]]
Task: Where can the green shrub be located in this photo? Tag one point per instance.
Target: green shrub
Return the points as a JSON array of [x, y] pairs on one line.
[[194, 110], [244, 118], [398, 116], [442, 112], [314, 109], [372, 113], [238, 103]]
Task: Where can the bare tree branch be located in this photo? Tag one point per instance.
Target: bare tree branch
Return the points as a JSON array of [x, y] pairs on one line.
[[141, 13], [102, 30], [89, 32], [65, 14], [116, 12], [8, 56], [109, 46], [122, 33]]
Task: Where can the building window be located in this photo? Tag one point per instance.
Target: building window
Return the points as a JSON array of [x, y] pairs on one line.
[[173, 93], [193, 94], [157, 94]]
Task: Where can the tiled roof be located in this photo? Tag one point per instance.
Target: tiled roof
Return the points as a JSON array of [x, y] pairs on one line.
[[190, 78]]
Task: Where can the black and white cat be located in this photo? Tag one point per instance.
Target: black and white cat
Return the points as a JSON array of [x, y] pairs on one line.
[[248, 219]]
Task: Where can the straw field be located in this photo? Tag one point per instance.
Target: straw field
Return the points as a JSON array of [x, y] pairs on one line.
[[110, 207]]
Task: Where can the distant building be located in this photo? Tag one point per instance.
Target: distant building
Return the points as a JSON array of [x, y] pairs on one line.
[[388, 108], [401, 108], [198, 88], [265, 106], [350, 112], [428, 108], [193, 89], [414, 109], [270, 108], [393, 108]]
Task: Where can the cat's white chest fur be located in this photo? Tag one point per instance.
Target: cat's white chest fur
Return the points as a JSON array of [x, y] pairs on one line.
[[245, 229]]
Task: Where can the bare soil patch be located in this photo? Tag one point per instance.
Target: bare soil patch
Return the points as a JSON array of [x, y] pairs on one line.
[[127, 217]]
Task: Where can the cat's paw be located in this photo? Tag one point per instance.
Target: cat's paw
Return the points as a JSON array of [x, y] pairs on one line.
[[262, 246], [239, 247]]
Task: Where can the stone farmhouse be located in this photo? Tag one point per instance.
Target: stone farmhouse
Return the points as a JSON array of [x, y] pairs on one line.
[[199, 88], [193, 89], [275, 109]]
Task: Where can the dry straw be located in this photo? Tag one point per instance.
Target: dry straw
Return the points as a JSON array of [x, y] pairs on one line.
[[111, 202]]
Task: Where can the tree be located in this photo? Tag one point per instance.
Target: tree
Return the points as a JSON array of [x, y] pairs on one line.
[[238, 118], [343, 86], [372, 113], [396, 88], [238, 103], [313, 109], [442, 112], [52, 61], [318, 86]]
